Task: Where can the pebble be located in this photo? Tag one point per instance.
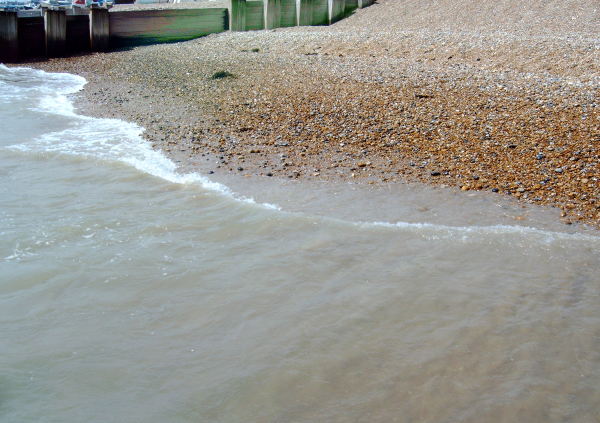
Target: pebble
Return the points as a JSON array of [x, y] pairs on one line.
[[333, 110]]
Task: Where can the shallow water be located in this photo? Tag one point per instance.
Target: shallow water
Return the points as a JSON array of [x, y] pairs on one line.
[[130, 292]]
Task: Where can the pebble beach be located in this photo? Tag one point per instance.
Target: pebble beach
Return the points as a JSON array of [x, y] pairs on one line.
[[498, 96]]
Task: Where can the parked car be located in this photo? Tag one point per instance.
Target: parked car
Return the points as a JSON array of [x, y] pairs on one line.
[[61, 4], [13, 5], [93, 3]]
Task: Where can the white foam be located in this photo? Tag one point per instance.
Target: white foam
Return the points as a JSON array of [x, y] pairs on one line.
[[105, 139], [466, 233], [121, 141], [19, 254], [19, 81]]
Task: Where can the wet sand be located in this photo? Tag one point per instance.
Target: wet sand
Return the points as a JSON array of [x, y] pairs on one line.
[[497, 96]]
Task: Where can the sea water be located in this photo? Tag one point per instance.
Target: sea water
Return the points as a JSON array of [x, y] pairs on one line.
[[133, 292]]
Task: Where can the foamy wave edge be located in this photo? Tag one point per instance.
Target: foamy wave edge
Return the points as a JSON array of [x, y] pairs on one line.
[[150, 161], [155, 163], [464, 233]]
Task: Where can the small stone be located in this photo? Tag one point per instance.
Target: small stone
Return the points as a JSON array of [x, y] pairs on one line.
[[269, 174], [240, 168], [539, 156], [495, 190], [435, 173], [558, 170]]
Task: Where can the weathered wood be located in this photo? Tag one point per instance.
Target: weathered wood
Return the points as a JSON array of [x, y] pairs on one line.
[[351, 6], [128, 28], [55, 25], [320, 15], [78, 33], [99, 29], [337, 10], [9, 37], [255, 17], [305, 14], [313, 12], [288, 13], [237, 14], [32, 37], [272, 14]]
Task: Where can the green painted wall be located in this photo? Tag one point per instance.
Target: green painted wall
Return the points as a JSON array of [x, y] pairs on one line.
[[255, 18], [338, 10], [128, 28], [351, 6], [288, 13], [320, 12]]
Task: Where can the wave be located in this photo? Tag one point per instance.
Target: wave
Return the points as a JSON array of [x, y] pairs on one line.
[[466, 233], [97, 138], [121, 141], [17, 82]]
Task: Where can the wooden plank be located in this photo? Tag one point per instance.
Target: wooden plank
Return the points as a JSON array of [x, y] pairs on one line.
[[288, 13], [305, 17], [320, 12], [337, 10], [138, 27], [272, 14], [351, 6], [78, 34], [55, 25], [32, 41], [255, 15], [99, 29], [238, 15], [9, 37]]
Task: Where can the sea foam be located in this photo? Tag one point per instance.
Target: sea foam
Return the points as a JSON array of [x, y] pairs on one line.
[[121, 141], [111, 140]]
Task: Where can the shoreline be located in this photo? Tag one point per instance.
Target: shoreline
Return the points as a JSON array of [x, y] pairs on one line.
[[327, 103]]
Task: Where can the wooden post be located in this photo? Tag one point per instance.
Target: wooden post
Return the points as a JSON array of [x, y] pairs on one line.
[[238, 15], [55, 26], [9, 37], [272, 14], [99, 29]]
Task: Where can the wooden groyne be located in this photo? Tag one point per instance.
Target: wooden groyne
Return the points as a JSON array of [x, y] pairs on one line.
[[57, 33]]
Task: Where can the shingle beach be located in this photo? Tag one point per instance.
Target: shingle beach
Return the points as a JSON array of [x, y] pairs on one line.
[[494, 95]]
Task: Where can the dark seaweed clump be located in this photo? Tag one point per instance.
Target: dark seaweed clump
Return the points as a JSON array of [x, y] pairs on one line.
[[221, 75]]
